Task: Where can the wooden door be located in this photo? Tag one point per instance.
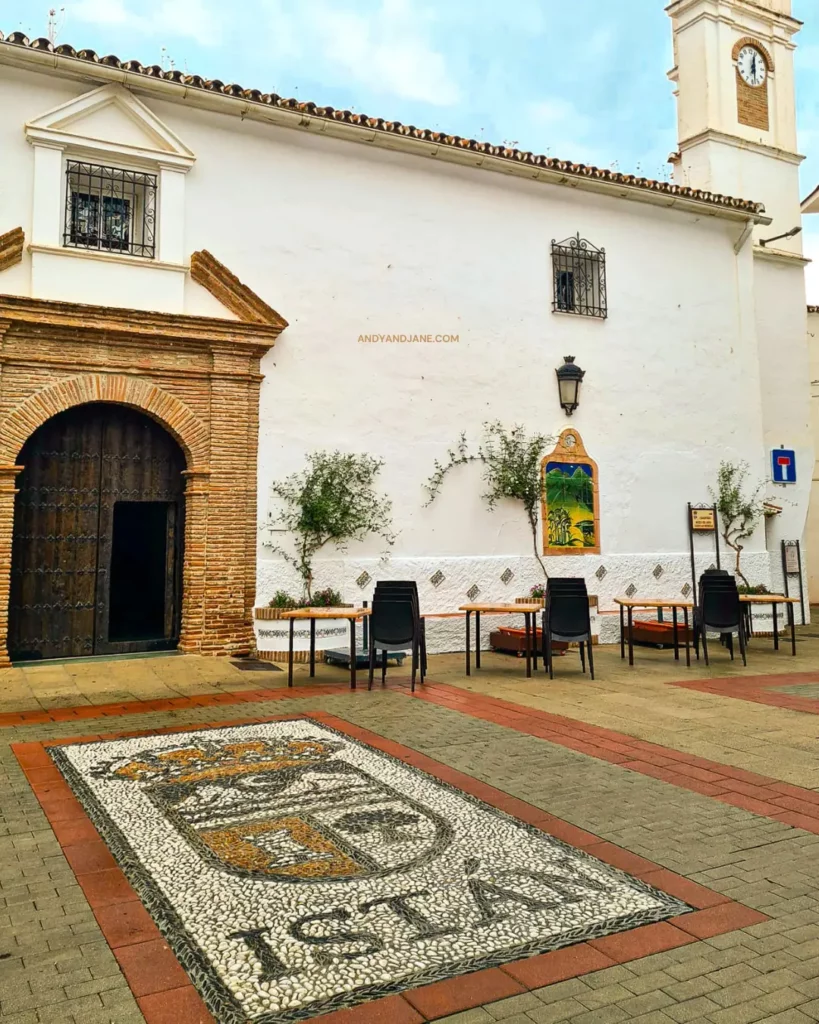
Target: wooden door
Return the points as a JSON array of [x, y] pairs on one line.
[[82, 468]]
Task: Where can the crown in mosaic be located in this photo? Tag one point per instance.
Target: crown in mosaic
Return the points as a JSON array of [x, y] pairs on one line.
[[215, 761]]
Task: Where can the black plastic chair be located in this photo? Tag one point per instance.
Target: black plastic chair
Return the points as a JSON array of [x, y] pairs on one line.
[[396, 590], [719, 611], [394, 626], [720, 580], [566, 618]]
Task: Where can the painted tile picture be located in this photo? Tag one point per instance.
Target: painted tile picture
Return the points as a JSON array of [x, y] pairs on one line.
[[295, 870], [571, 521]]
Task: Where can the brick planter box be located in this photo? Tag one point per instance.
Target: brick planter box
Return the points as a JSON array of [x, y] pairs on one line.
[[513, 641]]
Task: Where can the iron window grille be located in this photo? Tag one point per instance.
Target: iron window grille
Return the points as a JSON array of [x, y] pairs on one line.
[[579, 276], [110, 209]]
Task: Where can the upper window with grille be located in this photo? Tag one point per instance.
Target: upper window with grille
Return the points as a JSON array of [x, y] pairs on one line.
[[110, 209], [579, 278]]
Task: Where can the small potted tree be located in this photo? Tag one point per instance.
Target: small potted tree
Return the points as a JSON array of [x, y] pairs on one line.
[[332, 501]]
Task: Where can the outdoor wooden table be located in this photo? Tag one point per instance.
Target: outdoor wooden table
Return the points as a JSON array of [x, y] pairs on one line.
[[526, 610], [323, 613], [773, 600], [628, 604]]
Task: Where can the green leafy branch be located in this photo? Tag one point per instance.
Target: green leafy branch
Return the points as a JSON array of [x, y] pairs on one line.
[[740, 511], [511, 461], [332, 500]]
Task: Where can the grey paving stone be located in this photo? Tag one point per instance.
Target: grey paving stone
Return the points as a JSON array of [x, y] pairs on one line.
[[478, 1016], [514, 1005]]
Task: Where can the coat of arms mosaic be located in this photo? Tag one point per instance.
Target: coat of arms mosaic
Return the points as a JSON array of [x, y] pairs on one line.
[[294, 870]]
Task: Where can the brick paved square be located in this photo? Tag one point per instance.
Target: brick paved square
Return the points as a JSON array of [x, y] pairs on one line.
[[61, 967]]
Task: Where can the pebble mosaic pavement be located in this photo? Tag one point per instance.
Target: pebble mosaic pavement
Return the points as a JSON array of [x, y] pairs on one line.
[[295, 870], [59, 968]]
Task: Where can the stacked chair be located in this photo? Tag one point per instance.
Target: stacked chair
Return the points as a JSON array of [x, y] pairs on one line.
[[566, 618], [396, 624], [719, 610]]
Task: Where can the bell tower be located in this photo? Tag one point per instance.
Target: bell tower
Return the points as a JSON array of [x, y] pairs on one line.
[[736, 105]]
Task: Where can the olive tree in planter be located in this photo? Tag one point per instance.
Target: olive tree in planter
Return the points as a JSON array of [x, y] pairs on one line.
[[511, 469], [740, 510], [331, 501]]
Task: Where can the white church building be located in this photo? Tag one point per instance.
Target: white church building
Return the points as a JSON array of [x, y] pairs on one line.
[[201, 284]]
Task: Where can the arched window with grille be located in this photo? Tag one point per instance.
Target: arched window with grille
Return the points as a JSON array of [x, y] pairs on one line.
[[579, 278]]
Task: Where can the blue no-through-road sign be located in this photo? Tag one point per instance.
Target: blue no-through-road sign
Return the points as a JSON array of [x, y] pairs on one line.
[[783, 466]]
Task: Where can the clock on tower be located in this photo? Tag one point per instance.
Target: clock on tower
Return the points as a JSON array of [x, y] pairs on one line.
[[753, 64], [736, 105]]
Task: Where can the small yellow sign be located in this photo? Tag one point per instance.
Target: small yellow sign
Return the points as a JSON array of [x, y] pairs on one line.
[[703, 519]]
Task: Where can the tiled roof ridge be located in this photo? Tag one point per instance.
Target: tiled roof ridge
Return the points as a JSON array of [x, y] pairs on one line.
[[389, 127]]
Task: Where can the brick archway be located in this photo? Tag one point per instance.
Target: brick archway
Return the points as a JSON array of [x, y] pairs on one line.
[[199, 378], [161, 406]]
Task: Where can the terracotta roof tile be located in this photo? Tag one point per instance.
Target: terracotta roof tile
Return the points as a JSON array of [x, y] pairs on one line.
[[390, 127]]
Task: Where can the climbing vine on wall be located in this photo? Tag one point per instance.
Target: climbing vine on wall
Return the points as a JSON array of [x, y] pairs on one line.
[[511, 469]]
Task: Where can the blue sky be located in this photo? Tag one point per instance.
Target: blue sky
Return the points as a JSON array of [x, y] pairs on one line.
[[583, 80]]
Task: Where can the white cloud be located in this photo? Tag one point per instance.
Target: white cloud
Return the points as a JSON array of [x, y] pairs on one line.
[[191, 19], [387, 50]]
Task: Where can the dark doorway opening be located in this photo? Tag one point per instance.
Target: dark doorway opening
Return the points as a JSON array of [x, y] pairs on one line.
[[98, 534], [139, 570]]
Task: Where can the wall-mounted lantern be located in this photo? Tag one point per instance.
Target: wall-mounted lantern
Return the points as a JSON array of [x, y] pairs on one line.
[[569, 377]]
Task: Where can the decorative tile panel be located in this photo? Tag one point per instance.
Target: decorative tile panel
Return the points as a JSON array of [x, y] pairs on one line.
[[473, 591], [507, 576], [631, 590], [437, 578], [601, 572], [658, 571], [363, 579], [686, 590]]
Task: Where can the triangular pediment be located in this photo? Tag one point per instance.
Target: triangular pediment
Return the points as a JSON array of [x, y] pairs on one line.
[[113, 120]]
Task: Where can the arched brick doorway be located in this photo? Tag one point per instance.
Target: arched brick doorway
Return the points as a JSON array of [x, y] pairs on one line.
[[98, 536], [198, 378]]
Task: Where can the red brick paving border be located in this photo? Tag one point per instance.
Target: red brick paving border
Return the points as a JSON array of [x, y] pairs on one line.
[[760, 794], [166, 996], [758, 690]]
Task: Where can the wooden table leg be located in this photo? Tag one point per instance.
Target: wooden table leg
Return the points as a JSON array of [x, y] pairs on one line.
[[312, 647], [353, 654], [468, 645], [792, 623], [775, 626], [528, 645], [477, 639], [290, 658], [630, 635], [687, 644], [622, 635], [676, 634]]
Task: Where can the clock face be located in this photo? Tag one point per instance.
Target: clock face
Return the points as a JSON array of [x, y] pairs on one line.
[[751, 66]]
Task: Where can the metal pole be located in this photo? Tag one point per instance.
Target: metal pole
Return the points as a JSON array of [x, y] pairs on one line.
[[716, 534], [691, 546], [801, 584], [785, 587]]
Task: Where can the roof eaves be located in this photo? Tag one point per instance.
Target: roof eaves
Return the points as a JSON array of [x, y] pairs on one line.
[[569, 173]]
